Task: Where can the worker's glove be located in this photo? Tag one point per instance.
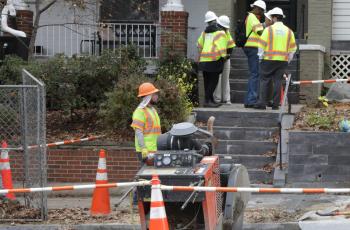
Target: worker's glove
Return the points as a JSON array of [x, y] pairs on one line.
[[144, 153]]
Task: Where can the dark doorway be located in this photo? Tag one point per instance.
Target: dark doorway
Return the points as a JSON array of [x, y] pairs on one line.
[[289, 8]]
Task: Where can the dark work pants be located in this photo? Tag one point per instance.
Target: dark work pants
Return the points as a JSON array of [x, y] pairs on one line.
[[210, 82], [271, 71]]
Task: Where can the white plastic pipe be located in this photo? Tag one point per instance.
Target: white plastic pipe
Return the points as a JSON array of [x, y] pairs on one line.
[[10, 9]]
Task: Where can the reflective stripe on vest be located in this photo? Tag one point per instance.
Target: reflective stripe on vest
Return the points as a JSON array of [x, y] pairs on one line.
[[278, 44], [253, 38], [150, 123], [210, 51]]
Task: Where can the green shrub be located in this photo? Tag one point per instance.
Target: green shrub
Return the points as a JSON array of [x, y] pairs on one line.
[[181, 72], [116, 113], [317, 120], [10, 70]]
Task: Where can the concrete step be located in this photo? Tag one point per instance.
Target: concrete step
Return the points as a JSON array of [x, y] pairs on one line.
[[242, 63], [237, 96], [241, 73], [244, 147], [238, 84], [249, 161], [236, 115], [244, 133], [259, 176]]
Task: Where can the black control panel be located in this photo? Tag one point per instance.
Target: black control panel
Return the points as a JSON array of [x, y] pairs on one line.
[[171, 158]]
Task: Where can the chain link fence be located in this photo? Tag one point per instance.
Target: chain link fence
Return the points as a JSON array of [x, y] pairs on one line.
[[23, 124]]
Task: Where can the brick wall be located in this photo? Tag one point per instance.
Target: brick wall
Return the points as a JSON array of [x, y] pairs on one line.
[[174, 27], [25, 21], [79, 165]]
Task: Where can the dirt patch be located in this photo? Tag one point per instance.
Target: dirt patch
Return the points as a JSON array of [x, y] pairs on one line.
[[16, 213], [83, 123], [72, 216], [320, 118], [270, 215]]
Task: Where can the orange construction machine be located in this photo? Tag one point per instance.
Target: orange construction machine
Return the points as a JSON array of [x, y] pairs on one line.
[[183, 160]]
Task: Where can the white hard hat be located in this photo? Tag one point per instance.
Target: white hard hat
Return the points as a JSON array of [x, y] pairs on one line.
[[210, 16], [224, 21], [268, 15], [277, 11], [259, 3]]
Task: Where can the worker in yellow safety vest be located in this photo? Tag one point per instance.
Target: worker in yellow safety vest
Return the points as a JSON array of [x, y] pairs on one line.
[[277, 47], [254, 29], [212, 46], [222, 92], [146, 122]]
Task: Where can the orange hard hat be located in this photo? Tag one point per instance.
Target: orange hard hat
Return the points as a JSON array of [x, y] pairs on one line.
[[147, 89]]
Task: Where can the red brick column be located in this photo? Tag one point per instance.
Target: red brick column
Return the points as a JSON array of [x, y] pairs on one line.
[[174, 26], [25, 21]]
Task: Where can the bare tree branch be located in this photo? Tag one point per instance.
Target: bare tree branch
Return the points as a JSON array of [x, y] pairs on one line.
[[47, 6]]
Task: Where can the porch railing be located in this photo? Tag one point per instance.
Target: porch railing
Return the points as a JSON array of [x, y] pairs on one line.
[[93, 39]]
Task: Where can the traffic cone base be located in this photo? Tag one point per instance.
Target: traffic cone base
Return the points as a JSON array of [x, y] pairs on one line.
[[100, 201]]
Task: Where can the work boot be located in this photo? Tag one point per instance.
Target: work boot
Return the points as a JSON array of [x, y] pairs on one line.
[[210, 105], [260, 106]]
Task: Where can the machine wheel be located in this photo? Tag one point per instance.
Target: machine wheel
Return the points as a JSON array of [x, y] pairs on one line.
[[235, 203]]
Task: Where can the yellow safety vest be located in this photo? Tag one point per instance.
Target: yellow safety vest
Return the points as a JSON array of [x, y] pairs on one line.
[[277, 41], [212, 46], [147, 120], [230, 43], [252, 27]]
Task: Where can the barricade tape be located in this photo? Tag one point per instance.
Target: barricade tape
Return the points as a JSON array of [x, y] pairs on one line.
[[67, 142], [179, 188], [74, 187], [319, 81], [254, 190]]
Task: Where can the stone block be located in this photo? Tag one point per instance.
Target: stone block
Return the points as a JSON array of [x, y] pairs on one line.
[[308, 159], [294, 148]]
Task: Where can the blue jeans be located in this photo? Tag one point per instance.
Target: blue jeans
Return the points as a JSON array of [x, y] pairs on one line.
[[253, 81]]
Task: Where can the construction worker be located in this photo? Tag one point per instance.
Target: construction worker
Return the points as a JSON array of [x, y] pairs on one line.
[[222, 91], [253, 31], [277, 47], [212, 46], [146, 122], [268, 22]]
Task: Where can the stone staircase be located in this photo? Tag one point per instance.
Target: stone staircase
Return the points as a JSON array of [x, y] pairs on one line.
[[245, 137], [239, 76]]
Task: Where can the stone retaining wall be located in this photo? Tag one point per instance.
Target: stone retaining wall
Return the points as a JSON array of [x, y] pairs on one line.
[[318, 157]]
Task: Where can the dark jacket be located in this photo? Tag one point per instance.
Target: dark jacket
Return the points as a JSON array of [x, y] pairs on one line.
[[212, 66]]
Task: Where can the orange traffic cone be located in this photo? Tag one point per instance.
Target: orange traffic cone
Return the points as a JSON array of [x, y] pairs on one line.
[[158, 219], [100, 201], [6, 171]]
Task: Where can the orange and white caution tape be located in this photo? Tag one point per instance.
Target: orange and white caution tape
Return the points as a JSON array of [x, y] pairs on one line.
[[255, 190], [319, 81], [75, 187], [67, 142]]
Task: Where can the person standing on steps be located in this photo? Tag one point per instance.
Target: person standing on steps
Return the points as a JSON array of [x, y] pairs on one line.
[[268, 22], [212, 46], [222, 92], [278, 47], [253, 31]]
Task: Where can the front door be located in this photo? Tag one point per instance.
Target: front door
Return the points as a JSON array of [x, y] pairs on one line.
[[289, 8]]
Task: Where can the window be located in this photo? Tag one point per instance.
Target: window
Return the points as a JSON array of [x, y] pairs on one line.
[[129, 11]]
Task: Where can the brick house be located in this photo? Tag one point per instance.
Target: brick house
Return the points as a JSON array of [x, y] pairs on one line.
[[321, 27]]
